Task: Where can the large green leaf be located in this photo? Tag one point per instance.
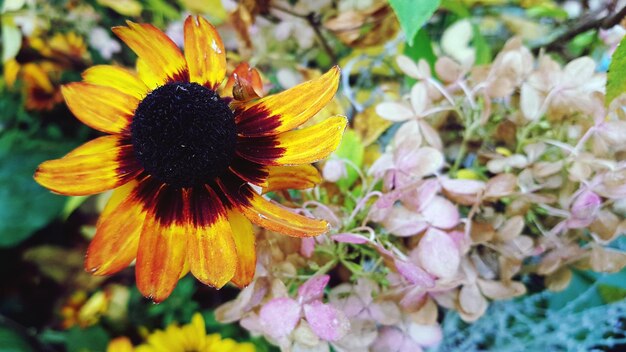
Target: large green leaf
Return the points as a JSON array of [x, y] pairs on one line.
[[13, 341], [483, 50], [92, 339], [422, 48], [25, 206], [616, 77], [413, 14], [350, 149]]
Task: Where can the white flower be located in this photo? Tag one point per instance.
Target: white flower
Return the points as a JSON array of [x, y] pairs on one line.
[[100, 40]]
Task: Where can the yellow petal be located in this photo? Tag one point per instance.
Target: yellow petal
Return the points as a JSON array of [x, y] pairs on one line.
[[211, 249], [118, 78], [120, 344], [102, 108], [267, 213], [159, 52], [100, 165], [11, 70], [243, 234], [302, 146], [291, 177], [289, 109], [204, 52], [274, 217], [149, 78]]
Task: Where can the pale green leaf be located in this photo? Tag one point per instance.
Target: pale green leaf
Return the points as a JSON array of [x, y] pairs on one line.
[[351, 149], [413, 14], [11, 41], [616, 77]]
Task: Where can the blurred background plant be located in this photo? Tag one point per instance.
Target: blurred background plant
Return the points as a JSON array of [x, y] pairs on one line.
[[477, 200]]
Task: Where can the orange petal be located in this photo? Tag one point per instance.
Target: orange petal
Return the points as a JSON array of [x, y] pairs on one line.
[[204, 52], [159, 52], [244, 83], [289, 109], [243, 235], [162, 243], [116, 77], [100, 165], [116, 241], [302, 146], [211, 249], [267, 213], [291, 177], [102, 108]]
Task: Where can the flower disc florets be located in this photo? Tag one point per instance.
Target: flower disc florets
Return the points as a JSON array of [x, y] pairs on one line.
[[183, 134]]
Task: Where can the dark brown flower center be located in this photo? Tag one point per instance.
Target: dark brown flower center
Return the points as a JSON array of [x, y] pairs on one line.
[[184, 134]]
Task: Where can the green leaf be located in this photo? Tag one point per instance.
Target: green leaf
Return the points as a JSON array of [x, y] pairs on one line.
[[178, 307], [483, 50], [350, 149], [422, 48], [164, 9], [611, 294], [12, 341], [582, 42], [25, 206], [616, 77], [456, 7], [581, 281], [72, 204], [93, 339], [413, 14], [547, 10]]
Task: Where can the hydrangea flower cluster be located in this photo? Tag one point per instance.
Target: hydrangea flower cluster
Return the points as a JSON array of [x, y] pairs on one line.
[[496, 175]]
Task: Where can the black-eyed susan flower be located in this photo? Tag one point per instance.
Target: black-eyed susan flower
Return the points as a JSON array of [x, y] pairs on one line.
[[189, 337], [182, 159]]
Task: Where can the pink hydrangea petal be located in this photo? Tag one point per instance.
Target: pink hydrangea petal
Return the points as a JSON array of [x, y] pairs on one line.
[[430, 135], [403, 222], [414, 274], [418, 198], [313, 288], [389, 339], [586, 205], [326, 321], [441, 213], [280, 316], [307, 247], [353, 306], [334, 170], [419, 98], [392, 339], [381, 165], [349, 238], [462, 186], [413, 299], [461, 240], [425, 335], [500, 186], [408, 136], [421, 162], [394, 111], [408, 66], [438, 254]]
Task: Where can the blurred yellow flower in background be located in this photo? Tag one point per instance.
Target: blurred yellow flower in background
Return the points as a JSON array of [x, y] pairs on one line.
[[189, 337]]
